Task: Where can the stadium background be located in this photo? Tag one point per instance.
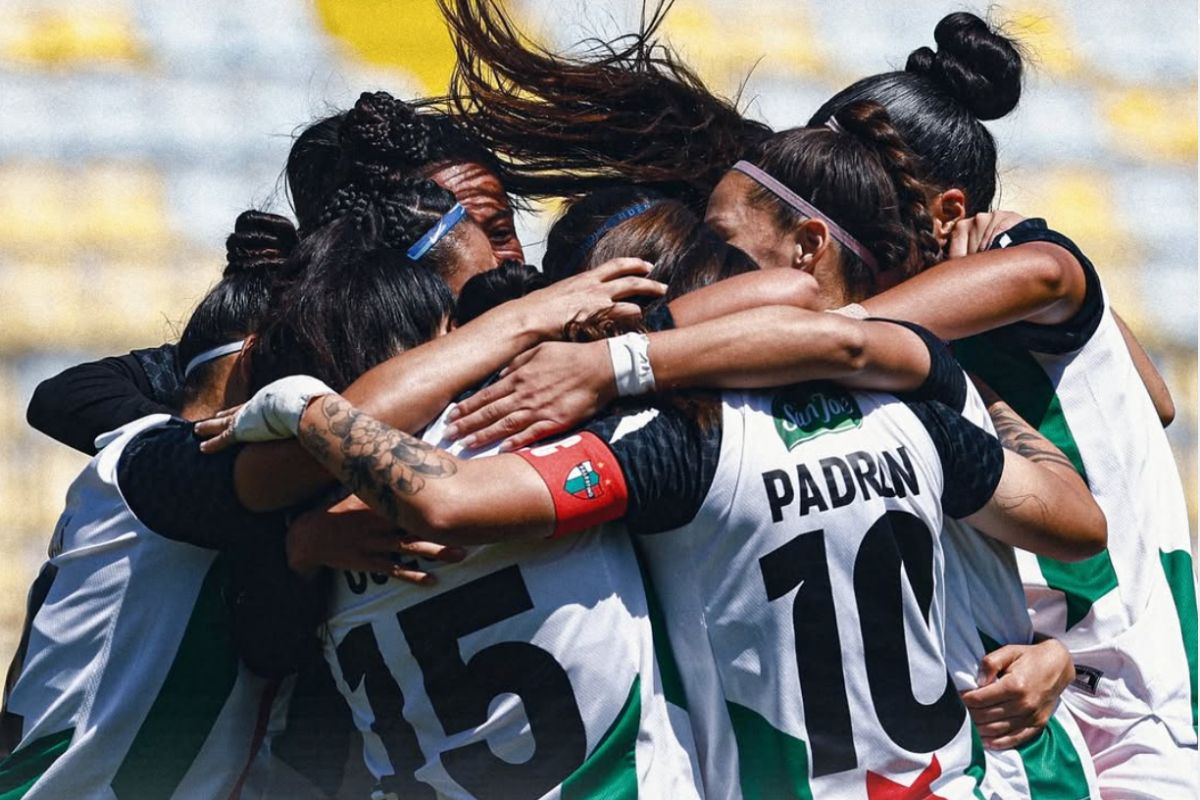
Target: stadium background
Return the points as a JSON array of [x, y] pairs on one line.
[[135, 130]]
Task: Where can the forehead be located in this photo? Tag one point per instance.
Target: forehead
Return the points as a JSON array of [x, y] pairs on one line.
[[730, 200], [470, 182]]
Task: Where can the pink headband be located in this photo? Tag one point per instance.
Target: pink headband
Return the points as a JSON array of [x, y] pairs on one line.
[[807, 209]]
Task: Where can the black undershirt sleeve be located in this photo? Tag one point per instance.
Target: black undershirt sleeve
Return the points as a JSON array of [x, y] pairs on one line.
[[668, 462], [183, 494], [946, 381], [1064, 337], [972, 459], [80, 403]]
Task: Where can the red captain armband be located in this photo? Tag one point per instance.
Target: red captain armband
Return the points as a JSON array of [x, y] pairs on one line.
[[584, 479]]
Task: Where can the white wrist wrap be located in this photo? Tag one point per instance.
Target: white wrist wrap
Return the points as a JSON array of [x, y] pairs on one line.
[[630, 356], [275, 410]]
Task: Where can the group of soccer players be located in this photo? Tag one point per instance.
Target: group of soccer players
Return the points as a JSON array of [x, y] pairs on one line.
[[703, 507]]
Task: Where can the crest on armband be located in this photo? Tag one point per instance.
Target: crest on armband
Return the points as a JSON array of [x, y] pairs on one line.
[[583, 482]]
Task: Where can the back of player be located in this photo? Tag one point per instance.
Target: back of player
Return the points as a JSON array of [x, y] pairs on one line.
[[1055, 765], [815, 567], [1128, 615], [130, 684], [528, 670]]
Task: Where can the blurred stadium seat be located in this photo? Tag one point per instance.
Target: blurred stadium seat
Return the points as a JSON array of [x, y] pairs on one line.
[[136, 131]]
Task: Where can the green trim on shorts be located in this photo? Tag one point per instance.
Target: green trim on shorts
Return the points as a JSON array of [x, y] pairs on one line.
[[1177, 564]]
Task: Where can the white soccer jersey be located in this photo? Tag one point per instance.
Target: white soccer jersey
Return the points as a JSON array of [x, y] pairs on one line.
[[1128, 615], [528, 671], [130, 685], [1056, 765], [808, 595]]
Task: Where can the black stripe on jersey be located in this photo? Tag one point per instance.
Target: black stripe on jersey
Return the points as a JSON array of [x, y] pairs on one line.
[[972, 459], [669, 464], [180, 493], [946, 381], [1064, 337]]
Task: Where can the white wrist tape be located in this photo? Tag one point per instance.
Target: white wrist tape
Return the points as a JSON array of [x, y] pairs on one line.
[[275, 410], [630, 356]]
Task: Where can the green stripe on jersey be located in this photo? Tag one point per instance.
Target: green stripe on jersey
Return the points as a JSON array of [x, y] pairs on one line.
[[977, 769], [191, 698], [771, 764], [610, 772], [1177, 564], [989, 644], [1053, 767], [1020, 380], [22, 769], [668, 667]]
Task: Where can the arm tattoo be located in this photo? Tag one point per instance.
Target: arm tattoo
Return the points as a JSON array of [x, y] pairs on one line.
[[372, 458], [1019, 437]]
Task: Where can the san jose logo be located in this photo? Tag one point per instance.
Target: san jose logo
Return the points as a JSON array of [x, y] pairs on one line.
[[802, 414], [583, 482]]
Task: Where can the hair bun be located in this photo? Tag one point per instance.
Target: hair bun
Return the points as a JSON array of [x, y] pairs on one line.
[[382, 132], [978, 66], [260, 241]]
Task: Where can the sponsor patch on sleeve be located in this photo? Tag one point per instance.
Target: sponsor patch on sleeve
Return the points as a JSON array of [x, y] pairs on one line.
[[584, 479]]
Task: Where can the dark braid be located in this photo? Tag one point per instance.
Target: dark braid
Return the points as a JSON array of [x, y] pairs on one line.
[[393, 214], [870, 123], [381, 134]]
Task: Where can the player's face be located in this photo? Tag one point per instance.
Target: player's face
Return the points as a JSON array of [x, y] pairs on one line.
[[747, 226], [482, 194], [473, 254]]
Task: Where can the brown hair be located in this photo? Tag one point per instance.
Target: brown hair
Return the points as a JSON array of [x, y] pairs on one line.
[[629, 112], [865, 178]]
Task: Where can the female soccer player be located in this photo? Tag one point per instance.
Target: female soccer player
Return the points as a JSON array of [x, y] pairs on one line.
[[380, 137], [661, 470], [129, 683]]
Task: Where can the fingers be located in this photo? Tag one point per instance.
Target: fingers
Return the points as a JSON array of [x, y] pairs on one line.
[[534, 433], [997, 662], [431, 551], [220, 442], [509, 425], [1010, 741], [625, 311], [960, 236], [618, 267], [994, 694], [621, 288], [213, 426], [479, 413]]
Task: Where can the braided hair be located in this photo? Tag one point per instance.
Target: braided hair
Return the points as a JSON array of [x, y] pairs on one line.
[[357, 299], [379, 138], [862, 177], [940, 100], [255, 253]]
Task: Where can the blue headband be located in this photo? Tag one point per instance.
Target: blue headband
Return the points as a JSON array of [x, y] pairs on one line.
[[608, 224], [437, 232]]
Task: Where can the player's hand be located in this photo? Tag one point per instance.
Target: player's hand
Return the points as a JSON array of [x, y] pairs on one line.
[[272, 413], [973, 234], [578, 297], [1019, 690], [350, 536], [547, 390]]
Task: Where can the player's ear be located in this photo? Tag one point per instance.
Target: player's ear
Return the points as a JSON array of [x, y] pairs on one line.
[[811, 242], [946, 209]]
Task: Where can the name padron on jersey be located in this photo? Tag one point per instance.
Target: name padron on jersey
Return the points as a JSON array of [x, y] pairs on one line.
[[840, 480]]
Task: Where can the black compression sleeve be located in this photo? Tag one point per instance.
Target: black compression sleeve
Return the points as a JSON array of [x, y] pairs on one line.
[[180, 493], [1064, 337], [972, 459], [668, 460], [946, 381], [80, 403]]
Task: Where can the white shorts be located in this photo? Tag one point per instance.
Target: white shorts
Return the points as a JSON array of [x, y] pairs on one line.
[[1139, 760]]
